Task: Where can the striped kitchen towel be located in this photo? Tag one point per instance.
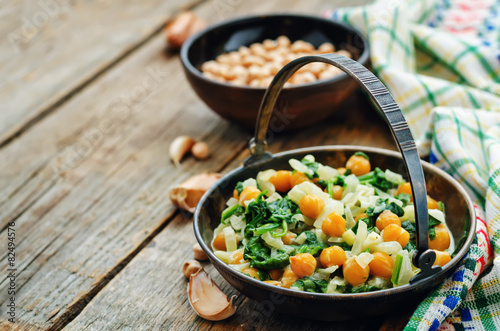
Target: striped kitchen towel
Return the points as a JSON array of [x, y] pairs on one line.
[[441, 61]]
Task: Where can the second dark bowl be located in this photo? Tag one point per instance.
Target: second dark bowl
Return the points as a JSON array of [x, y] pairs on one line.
[[298, 106]]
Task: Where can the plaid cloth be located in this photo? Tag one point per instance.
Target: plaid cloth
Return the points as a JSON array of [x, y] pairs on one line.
[[441, 61]]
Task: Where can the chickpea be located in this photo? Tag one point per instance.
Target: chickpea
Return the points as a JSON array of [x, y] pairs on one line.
[[243, 50], [385, 218], [442, 258], [239, 81], [345, 53], [239, 71], [442, 239], [302, 46], [303, 78], [276, 274], [223, 58], [249, 193], [311, 205], [289, 277], [248, 60], [298, 177], [394, 232], [360, 216], [212, 76], [219, 242], [258, 49], [431, 203], [406, 189], [353, 273], [252, 272], [281, 180], [289, 238], [209, 66], [381, 265], [337, 192], [329, 72], [269, 44], [341, 170], [333, 255], [333, 225], [236, 257], [273, 282], [326, 48], [283, 41], [358, 165], [236, 195], [303, 264]]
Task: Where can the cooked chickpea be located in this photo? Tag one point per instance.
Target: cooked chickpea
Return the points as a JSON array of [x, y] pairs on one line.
[[283, 41], [269, 44], [341, 170], [442, 258], [250, 59], [258, 49], [360, 216], [337, 192], [442, 239], [345, 53], [276, 274], [219, 242], [236, 257], [288, 238], [394, 232], [302, 46], [333, 255], [358, 165], [289, 277], [385, 218], [406, 189], [353, 273], [311, 205], [333, 225], [281, 180], [249, 193], [303, 264], [252, 272], [381, 265], [273, 282], [431, 203], [298, 177]]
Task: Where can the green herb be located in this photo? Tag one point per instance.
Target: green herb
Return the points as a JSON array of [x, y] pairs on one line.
[[230, 211], [313, 166], [403, 197], [432, 226], [311, 285], [382, 205], [260, 255], [239, 187], [376, 178], [362, 154], [311, 245], [263, 275], [363, 288]]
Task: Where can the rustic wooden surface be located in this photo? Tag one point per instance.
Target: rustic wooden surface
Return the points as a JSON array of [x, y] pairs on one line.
[[85, 172]]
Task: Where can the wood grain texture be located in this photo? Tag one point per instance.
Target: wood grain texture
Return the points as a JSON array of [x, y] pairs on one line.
[[50, 49], [86, 215], [87, 184]]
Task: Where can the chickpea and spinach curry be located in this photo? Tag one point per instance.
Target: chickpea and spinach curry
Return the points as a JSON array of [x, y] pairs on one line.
[[327, 230]]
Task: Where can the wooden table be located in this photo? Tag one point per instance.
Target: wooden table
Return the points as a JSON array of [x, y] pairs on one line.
[[90, 101]]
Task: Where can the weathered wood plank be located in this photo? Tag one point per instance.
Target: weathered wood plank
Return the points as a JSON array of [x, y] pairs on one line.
[[50, 49], [101, 203]]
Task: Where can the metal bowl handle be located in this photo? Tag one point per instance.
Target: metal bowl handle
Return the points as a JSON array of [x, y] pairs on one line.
[[424, 257]]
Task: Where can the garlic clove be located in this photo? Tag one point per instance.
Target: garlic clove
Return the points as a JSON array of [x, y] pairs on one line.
[[207, 299], [179, 147], [188, 194], [190, 267], [199, 253]]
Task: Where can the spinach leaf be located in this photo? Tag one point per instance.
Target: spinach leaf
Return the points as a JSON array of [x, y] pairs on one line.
[[370, 224], [239, 187], [260, 255], [410, 227], [382, 205], [230, 211], [313, 166], [311, 285], [432, 224], [363, 288], [403, 197], [377, 178], [362, 154], [312, 245]]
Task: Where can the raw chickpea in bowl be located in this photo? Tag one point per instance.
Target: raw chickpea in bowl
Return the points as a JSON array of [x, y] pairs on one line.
[[257, 64]]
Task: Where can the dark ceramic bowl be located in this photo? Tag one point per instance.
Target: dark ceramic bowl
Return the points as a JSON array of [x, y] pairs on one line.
[[298, 106], [424, 177]]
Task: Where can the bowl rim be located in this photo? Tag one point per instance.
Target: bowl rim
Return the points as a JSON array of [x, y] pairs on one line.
[[218, 263], [363, 58]]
